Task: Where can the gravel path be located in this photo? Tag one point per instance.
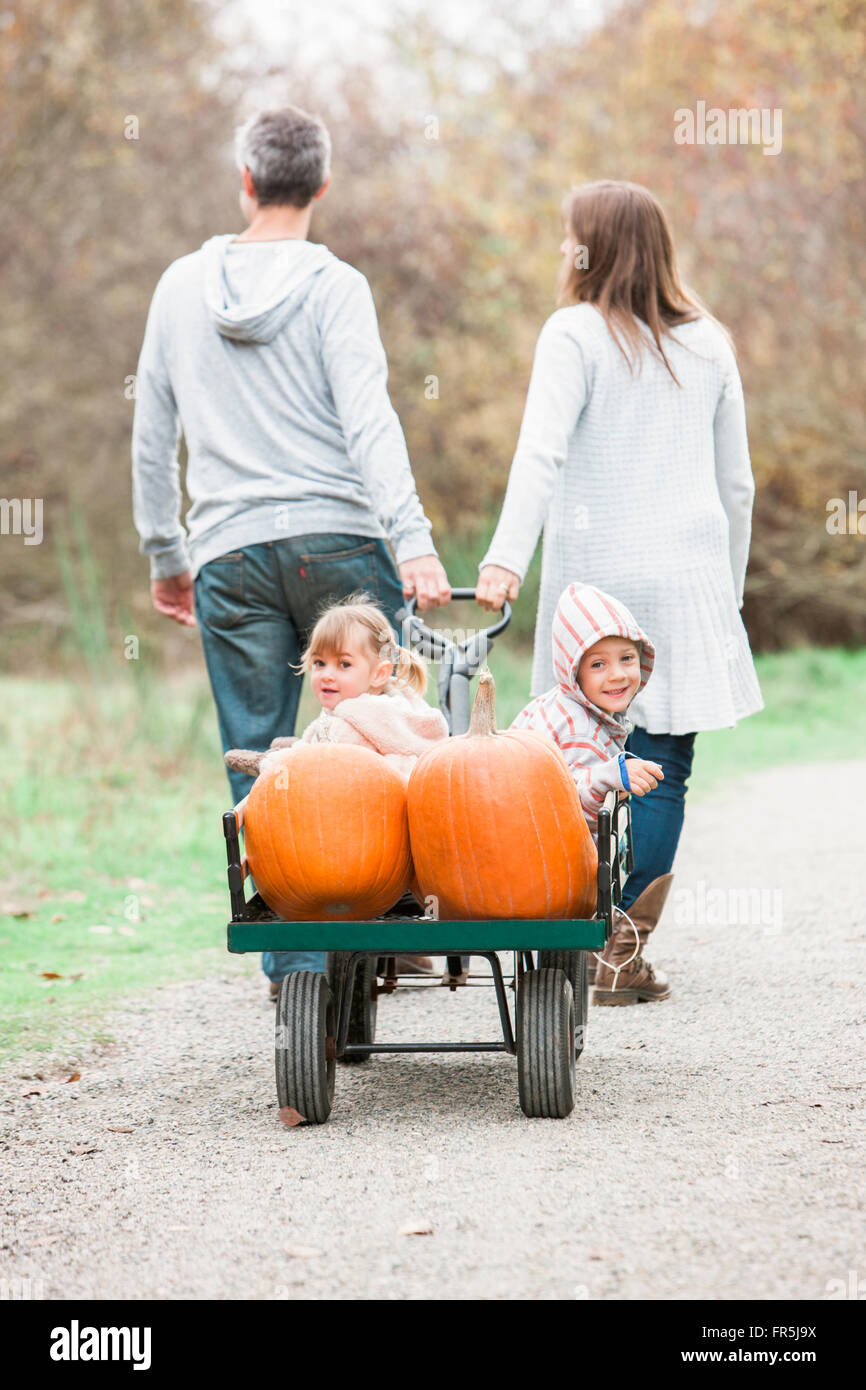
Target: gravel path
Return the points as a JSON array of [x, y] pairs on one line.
[[716, 1149]]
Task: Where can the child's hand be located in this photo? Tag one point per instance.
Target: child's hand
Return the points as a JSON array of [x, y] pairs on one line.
[[643, 775]]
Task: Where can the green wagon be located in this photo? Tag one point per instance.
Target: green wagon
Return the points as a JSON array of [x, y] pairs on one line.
[[329, 1017]]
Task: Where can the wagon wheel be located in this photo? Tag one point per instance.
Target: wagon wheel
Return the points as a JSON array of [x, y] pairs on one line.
[[304, 1045], [545, 1044], [362, 1015], [574, 963]]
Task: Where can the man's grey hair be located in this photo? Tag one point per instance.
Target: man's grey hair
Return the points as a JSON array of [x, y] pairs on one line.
[[288, 154]]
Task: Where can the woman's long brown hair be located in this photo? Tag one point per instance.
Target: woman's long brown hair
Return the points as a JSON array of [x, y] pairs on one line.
[[631, 266]]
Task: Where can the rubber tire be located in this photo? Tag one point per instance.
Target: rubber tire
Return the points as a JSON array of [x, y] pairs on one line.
[[574, 964], [306, 1018], [362, 1015], [545, 1044]]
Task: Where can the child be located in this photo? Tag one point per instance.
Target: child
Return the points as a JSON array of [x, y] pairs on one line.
[[602, 659], [370, 690]]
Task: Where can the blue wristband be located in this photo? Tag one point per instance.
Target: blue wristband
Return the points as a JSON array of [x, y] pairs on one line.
[[623, 773]]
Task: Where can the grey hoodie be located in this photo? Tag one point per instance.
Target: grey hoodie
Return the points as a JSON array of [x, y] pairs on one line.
[[267, 356]]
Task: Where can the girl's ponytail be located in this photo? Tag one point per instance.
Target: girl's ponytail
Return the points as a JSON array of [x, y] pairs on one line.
[[410, 671]]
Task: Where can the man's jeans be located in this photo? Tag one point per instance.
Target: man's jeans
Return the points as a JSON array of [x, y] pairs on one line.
[[256, 608], [657, 817]]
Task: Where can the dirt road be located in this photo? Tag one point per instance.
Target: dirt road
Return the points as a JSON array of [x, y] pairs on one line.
[[716, 1149]]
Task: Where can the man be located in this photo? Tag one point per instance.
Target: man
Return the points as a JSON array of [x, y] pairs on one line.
[[264, 350]]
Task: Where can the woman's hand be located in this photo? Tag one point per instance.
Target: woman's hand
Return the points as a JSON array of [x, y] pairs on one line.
[[643, 775], [495, 585]]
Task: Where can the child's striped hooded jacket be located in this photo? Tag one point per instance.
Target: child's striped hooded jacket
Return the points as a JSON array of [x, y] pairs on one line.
[[590, 738]]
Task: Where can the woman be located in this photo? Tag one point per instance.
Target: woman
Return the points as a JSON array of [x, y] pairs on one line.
[[634, 458]]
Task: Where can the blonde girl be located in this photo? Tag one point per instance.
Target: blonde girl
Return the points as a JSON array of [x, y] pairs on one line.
[[370, 690]]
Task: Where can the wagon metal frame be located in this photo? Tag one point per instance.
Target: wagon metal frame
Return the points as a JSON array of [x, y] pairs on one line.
[[322, 1018]]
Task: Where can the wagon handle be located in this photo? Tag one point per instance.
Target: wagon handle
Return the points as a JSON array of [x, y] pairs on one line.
[[418, 624], [458, 661]]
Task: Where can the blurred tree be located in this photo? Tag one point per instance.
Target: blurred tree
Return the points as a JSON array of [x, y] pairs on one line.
[[459, 235], [113, 137], [448, 197]]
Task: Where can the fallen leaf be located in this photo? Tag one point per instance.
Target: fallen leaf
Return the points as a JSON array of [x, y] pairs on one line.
[[43, 893], [51, 975], [291, 1117], [301, 1252], [34, 1090], [415, 1228], [832, 1141], [81, 1149], [120, 1129], [58, 917], [76, 1076]]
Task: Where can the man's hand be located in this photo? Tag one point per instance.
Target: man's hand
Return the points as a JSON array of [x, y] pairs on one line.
[[495, 585], [425, 577], [643, 775], [173, 597]]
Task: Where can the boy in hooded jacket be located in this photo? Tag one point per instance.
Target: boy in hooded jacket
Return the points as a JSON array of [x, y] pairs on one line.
[[602, 659]]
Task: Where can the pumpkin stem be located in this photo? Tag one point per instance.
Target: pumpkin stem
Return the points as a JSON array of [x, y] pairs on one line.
[[483, 718]]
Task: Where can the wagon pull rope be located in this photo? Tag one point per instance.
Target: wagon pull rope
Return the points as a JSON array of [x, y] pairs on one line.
[[617, 968]]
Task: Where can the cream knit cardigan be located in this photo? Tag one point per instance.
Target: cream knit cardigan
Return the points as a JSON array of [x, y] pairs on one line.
[[644, 489]]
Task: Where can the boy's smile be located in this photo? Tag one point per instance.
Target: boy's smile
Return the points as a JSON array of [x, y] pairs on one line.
[[609, 673]]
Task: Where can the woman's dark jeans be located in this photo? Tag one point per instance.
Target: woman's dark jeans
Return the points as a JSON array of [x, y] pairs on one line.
[[256, 607], [657, 817]]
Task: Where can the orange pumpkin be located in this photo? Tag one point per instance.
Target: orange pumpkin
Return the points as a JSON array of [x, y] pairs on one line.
[[326, 834], [496, 824]]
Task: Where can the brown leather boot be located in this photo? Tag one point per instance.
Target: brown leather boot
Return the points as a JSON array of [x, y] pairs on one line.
[[621, 979]]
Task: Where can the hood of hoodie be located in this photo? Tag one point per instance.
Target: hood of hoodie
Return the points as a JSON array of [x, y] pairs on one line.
[[584, 615], [252, 288]]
